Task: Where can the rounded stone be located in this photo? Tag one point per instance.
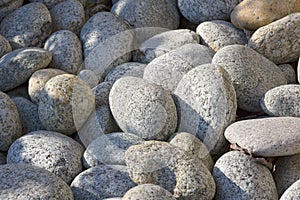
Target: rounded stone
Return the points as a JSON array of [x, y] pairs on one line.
[[29, 116], [101, 93], [206, 103], [17, 66], [292, 193], [289, 72], [65, 104], [102, 182], [239, 176], [278, 41], [33, 19], [89, 77], [4, 46], [266, 137], [2, 158], [282, 101], [148, 191], [197, 11], [9, 6], [109, 149], [38, 80], [68, 15], [168, 166], [66, 51], [10, 124], [217, 34], [168, 69], [38, 183], [251, 73], [150, 13], [142, 108], [55, 152]]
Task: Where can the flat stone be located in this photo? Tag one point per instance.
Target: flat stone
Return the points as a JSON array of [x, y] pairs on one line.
[[142, 108], [266, 137], [206, 103], [279, 40], [251, 73], [89, 77], [282, 101], [4, 46], [9, 6], [101, 93], [292, 193], [289, 72], [40, 184], [239, 176], [17, 67]]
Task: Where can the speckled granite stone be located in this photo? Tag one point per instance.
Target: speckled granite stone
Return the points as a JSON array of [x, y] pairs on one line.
[[48, 3], [292, 193], [9, 6], [89, 77], [289, 72], [4, 46], [101, 93]]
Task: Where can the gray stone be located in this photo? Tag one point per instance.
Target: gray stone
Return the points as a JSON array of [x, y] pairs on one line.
[[38, 80], [198, 11], [126, 69], [33, 19], [10, 125], [148, 191], [217, 34], [168, 166], [55, 152], [16, 67], [113, 198], [266, 137], [142, 108], [206, 103], [289, 72], [150, 13], [4, 46], [9, 6], [282, 101], [292, 193], [89, 77], [239, 176], [102, 182], [65, 104], [279, 40], [20, 91], [252, 74], [168, 69], [66, 51], [29, 115], [19, 181], [2, 158], [49, 3], [101, 93]]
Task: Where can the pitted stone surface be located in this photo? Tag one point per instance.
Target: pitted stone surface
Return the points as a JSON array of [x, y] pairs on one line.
[[9, 6], [289, 72], [89, 77], [292, 193], [4, 46]]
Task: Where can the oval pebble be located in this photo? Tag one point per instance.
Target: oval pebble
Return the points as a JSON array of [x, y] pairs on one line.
[[9, 6], [279, 40], [65, 104], [102, 182], [282, 101], [289, 72], [4, 46], [17, 67], [49, 150], [33, 19], [292, 193], [252, 74], [38, 183], [142, 108], [206, 103], [238, 176], [266, 137], [101, 93], [89, 77]]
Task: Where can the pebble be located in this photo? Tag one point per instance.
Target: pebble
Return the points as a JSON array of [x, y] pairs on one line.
[[19, 181], [251, 73], [28, 113], [239, 176], [206, 103], [168, 69], [279, 40], [65, 104], [10, 124], [4, 46], [282, 101], [55, 152], [89, 77], [2, 158], [292, 193], [168, 166], [218, 33], [68, 15], [9, 6], [197, 11], [103, 181], [264, 137], [148, 191], [150, 13], [38, 80], [20, 91], [48, 3], [101, 93], [109, 149], [34, 19], [253, 14], [289, 72], [17, 67], [142, 108]]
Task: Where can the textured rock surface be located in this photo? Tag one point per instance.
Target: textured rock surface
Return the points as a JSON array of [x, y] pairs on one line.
[[4, 46], [238, 176], [266, 137], [7, 7], [292, 193], [252, 74], [142, 108], [20, 91], [101, 93], [289, 72], [2, 158], [49, 3], [89, 77]]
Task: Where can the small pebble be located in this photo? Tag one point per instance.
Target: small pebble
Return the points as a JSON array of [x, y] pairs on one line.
[[289, 73], [89, 77], [292, 193], [4, 46]]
